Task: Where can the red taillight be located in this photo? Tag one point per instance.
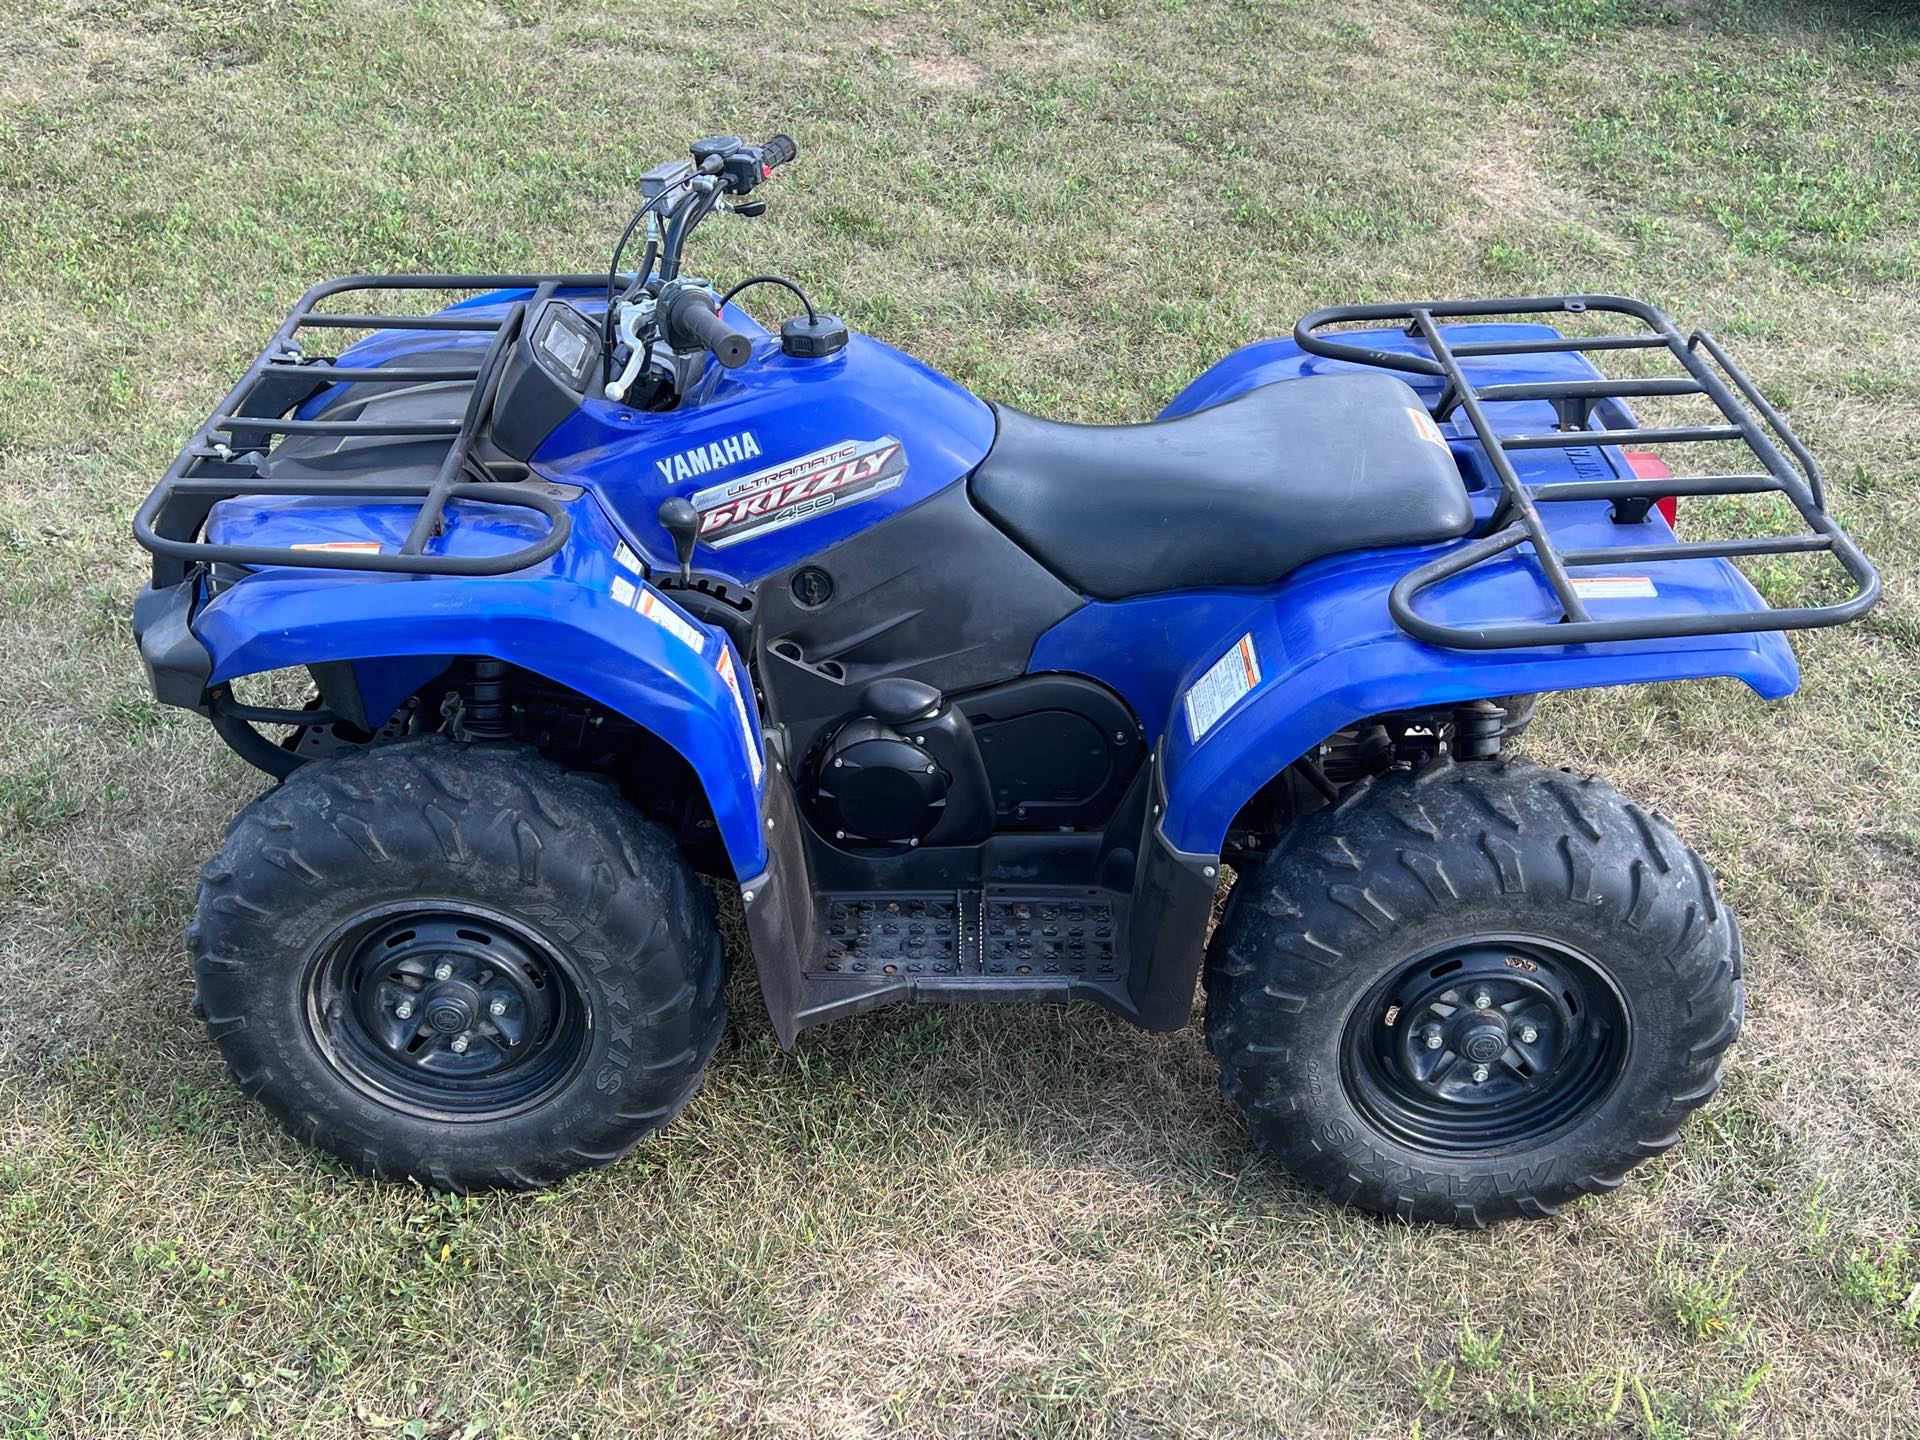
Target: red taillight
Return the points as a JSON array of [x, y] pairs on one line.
[[1648, 466]]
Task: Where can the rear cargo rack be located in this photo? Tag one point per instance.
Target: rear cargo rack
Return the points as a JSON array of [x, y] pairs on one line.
[[222, 461], [1515, 523]]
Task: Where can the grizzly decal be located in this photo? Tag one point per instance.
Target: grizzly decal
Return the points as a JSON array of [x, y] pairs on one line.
[[796, 489]]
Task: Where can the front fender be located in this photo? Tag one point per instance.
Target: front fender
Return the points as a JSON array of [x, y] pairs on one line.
[[577, 619]]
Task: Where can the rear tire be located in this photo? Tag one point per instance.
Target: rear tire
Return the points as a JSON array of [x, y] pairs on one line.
[[1473, 993], [460, 964]]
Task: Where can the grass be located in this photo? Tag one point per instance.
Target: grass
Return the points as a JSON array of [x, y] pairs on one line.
[[999, 1223]]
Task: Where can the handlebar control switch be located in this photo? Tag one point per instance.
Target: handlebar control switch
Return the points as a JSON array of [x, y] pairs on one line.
[[708, 153], [813, 337]]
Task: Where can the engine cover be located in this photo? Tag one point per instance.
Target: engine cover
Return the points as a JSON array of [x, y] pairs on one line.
[[873, 786]]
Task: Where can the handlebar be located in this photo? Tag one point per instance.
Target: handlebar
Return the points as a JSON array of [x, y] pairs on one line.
[[723, 169], [778, 151], [692, 314]]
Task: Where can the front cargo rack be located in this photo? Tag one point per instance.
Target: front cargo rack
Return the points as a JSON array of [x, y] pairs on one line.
[[1516, 521], [223, 461]]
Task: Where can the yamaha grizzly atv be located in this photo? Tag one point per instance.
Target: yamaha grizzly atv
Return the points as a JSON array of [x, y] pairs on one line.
[[603, 587]]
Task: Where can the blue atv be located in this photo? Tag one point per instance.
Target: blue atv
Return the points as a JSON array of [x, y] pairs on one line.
[[603, 588]]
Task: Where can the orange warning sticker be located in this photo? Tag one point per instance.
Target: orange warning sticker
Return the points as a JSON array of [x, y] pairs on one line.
[[1425, 428]]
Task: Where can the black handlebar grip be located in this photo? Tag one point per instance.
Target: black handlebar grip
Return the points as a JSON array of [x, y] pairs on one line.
[[693, 314], [778, 151]]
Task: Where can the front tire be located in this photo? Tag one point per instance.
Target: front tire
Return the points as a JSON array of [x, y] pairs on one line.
[[1473, 993], [460, 964]]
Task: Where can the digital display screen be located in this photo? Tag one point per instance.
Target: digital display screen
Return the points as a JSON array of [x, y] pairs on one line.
[[565, 346]]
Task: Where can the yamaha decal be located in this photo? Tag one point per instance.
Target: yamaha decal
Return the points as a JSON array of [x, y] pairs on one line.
[[797, 489], [704, 459]]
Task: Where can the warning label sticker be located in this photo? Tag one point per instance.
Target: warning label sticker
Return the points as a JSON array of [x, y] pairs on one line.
[[664, 615], [1424, 427], [1227, 680], [731, 676], [1614, 587], [649, 604]]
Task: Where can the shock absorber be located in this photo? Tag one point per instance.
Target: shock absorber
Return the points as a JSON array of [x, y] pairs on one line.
[[488, 716], [1476, 730]]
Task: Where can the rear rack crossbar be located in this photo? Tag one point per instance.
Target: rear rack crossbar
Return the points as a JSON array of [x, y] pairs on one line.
[[262, 407], [1579, 439], [1749, 420]]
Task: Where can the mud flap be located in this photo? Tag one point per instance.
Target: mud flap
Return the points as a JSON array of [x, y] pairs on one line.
[[779, 908]]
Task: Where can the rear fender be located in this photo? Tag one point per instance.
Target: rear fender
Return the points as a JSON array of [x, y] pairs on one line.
[[582, 620], [1326, 648], [1327, 655]]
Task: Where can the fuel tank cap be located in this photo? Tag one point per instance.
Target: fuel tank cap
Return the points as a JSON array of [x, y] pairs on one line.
[[813, 338]]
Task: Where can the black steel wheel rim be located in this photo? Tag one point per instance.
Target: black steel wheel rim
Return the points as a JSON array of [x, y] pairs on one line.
[[1490, 1043], [447, 1010]]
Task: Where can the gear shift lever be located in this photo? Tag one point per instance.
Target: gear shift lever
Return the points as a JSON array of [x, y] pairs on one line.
[[680, 520]]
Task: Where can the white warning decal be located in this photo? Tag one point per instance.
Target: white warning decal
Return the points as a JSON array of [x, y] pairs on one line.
[[795, 489], [1424, 427], [1227, 680], [1614, 587], [668, 619], [731, 676]]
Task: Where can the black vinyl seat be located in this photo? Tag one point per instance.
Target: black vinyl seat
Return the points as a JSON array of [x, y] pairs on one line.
[[1238, 494]]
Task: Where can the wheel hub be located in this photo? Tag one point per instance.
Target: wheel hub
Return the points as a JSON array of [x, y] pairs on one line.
[[1482, 1036], [1484, 1044], [451, 1006], [447, 1010]]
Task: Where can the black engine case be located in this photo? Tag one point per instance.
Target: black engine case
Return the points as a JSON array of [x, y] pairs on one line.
[[873, 786]]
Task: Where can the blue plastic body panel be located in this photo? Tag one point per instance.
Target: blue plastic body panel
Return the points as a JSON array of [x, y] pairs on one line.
[[1328, 651], [560, 619], [791, 407]]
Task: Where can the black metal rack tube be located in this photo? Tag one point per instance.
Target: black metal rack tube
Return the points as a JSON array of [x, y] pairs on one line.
[[1514, 494], [1749, 419], [207, 470]]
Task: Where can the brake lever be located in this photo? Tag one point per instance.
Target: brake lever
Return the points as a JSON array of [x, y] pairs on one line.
[[631, 316]]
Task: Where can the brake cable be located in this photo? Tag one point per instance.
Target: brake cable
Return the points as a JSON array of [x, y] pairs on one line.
[[613, 267]]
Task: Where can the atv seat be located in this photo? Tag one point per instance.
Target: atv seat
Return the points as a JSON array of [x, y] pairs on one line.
[[1238, 494]]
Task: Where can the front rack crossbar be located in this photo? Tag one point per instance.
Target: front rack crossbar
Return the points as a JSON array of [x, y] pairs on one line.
[[1748, 418], [223, 460]]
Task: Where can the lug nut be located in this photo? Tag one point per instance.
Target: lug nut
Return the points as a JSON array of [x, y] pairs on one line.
[[1434, 1042], [404, 1009], [1479, 1073], [442, 971], [460, 1043], [1528, 1034], [496, 1007], [1482, 1001]]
